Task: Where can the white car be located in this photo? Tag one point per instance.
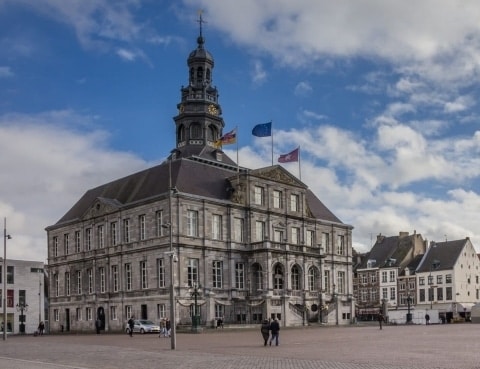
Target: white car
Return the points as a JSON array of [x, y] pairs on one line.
[[143, 326]]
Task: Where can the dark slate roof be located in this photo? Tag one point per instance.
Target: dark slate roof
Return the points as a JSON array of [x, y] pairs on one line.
[[443, 254], [413, 265], [380, 252], [204, 152], [195, 176]]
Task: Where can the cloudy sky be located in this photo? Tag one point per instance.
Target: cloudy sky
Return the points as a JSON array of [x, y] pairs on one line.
[[381, 96]]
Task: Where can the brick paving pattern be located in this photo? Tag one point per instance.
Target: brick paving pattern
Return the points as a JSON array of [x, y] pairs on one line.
[[356, 347]]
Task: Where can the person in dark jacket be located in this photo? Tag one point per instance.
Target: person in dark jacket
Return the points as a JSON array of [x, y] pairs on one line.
[[381, 319], [131, 324], [265, 329], [275, 329]]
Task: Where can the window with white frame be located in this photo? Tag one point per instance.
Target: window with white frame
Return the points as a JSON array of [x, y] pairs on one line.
[[192, 272], [217, 272], [56, 315], [341, 244], [217, 227], [79, 282], [326, 280], [101, 236], [278, 277], [126, 230], [192, 223], [259, 230], [143, 275], [278, 235], [295, 233], [56, 284], [66, 246], [142, 227], [385, 293], [115, 282], [219, 311], [392, 294], [88, 239], [90, 280], [326, 242], [159, 222], [55, 246], [363, 278], [239, 275], [101, 271], [113, 313], [312, 279], [384, 276], [161, 272], [259, 195], [310, 238], [439, 279], [88, 313], [341, 282], [128, 311], [295, 277], [277, 199], [392, 276], [294, 202], [161, 311], [238, 229], [77, 242], [114, 233], [67, 283], [78, 313], [128, 277]]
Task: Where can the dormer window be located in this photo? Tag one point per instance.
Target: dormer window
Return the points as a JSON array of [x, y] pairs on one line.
[[371, 263]]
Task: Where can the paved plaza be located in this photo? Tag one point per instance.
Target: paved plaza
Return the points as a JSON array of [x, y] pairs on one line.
[[418, 346]]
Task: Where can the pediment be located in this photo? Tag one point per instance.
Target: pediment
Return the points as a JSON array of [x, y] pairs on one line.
[[102, 206], [278, 174]]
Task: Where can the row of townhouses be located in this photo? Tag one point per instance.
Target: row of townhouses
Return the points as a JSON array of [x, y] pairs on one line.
[[405, 278]]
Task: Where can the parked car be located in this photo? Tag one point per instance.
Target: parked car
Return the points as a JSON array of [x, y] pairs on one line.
[[143, 326]]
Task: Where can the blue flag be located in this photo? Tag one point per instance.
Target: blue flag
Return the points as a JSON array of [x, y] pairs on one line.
[[262, 130]]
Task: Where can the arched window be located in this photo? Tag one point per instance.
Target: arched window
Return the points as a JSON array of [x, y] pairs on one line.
[[181, 133], [296, 278], [195, 131], [199, 74], [212, 133], [257, 277], [192, 75], [312, 279], [208, 75], [278, 277]]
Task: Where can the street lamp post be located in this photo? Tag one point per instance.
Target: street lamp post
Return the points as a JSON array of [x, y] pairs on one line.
[[5, 237], [22, 307]]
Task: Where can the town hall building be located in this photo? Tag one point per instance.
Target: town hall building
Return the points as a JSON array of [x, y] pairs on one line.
[[226, 242]]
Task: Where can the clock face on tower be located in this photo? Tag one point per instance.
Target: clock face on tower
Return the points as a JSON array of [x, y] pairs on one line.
[[212, 110]]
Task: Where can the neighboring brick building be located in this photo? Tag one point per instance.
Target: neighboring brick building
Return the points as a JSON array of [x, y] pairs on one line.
[[255, 243]]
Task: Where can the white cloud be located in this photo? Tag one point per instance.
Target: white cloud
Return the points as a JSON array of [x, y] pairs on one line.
[[303, 89], [47, 166], [259, 75], [6, 72]]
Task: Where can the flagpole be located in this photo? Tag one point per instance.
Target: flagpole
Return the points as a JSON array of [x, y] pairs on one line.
[[299, 166], [272, 141], [236, 139]]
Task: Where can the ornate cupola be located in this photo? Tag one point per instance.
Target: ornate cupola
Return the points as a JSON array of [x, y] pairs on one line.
[[198, 123]]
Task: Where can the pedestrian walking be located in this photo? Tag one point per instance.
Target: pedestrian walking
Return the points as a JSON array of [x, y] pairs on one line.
[[381, 319], [265, 330], [98, 325], [427, 319], [163, 330], [168, 327], [41, 328], [131, 324], [275, 329]]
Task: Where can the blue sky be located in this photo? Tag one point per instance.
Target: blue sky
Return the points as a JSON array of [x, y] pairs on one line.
[[380, 96]]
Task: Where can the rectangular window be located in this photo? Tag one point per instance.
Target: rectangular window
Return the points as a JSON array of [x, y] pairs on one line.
[[294, 203], [326, 279], [278, 236], [217, 272], [295, 235], [384, 276], [10, 274], [144, 274], [439, 279], [392, 276], [67, 283], [56, 285], [128, 311], [77, 242], [385, 293], [310, 238], [192, 272], [88, 239], [217, 227], [126, 230], [219, 311], [115, 283], [259, 230], [341, 282], [326, 242], [448, 293], [192, 223], [79, 282], [101, 271], [90, 281], [159, 222], [128, 277], [161, 311], [422, 295], [341, 244], [56, 315], [430, 280], [421, 281], [238, 229], [259, 195], [113, 313], [55, 246], [239, 275], [101, 236], [277, 199], [142, 227], [89, 314], [114, 233], [440, 293], [448, 278], [66, 245], [393, 296], [78, 313], [161, 273]]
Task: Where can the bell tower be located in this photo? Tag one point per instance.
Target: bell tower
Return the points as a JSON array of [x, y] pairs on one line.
[[199, 121]]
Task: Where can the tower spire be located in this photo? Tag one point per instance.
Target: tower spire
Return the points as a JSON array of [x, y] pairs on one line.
[[200, 21]]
